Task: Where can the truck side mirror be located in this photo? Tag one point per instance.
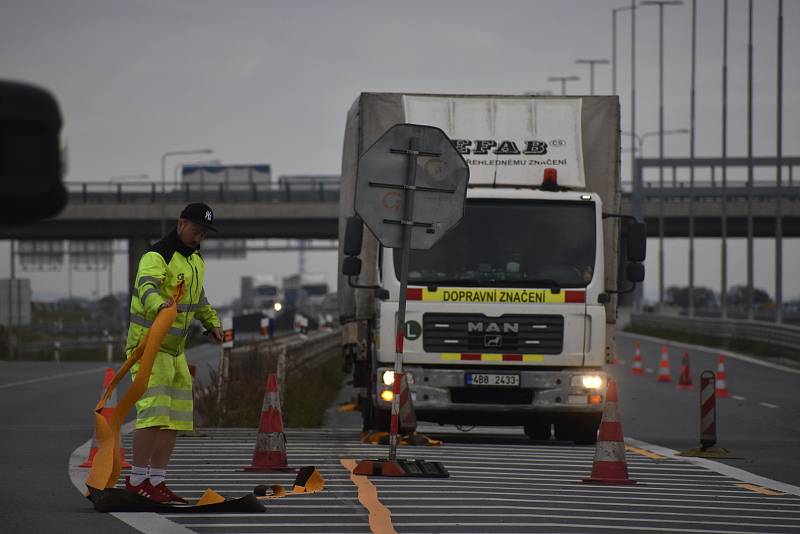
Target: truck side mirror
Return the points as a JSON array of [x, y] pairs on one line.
[[634, 272], [636, 244], [31, 164], [351, 266], [353, 233]]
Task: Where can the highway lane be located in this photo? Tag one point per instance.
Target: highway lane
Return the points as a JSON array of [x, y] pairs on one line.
[[760, 422], [45, 412]]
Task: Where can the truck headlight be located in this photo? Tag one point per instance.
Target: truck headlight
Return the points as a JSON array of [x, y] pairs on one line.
[[277, 306], [388, 377], [588, 381]]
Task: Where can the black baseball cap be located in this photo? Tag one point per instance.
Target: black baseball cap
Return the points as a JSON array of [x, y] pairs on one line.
[[199, 213]]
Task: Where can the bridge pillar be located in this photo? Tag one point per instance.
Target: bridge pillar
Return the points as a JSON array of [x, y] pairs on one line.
[[137, 246]]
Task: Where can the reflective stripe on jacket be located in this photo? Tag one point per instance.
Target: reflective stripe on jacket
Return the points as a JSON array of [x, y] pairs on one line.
[[161, 269]]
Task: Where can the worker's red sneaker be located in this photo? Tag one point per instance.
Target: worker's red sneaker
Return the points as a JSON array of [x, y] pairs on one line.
[[173, 498], [147, 490]]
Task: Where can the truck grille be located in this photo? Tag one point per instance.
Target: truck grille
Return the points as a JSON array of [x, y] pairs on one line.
[[491, 395], [507, 334]]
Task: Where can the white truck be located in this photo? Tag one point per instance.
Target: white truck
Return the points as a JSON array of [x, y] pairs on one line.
[[510, 316]]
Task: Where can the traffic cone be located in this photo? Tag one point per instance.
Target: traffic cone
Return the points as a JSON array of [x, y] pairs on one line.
[[722, 384], [664, 374], [685, 379], [270, 450], [107, 412], [609, 466], [637, 368]]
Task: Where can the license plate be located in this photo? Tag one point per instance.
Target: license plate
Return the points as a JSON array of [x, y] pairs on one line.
[[488, 379]]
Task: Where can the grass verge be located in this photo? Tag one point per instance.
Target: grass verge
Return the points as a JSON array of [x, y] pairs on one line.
[[307, 394]]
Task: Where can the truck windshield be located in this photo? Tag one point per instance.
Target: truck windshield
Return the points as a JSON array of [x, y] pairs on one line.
[[267, 291], [533, 243], [316, 289]]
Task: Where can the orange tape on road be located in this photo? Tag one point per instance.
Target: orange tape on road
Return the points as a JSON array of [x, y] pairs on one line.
[[760, 489], [380, 518]]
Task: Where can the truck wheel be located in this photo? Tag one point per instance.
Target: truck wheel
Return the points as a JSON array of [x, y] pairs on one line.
[[538, 430], [580, 428], [381, 419], [373, 419]]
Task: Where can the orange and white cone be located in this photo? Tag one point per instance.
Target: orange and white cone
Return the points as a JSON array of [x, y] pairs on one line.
[[270, 450], [664, 374], [722, 382], [609, 466], [106, 412], [637, 368], [685, 378]]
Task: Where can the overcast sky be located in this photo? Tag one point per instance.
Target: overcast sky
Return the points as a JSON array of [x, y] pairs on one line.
[[271, 82]]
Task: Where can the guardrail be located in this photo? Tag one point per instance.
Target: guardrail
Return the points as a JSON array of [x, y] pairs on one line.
[[112, 345], [328, 191], [296, 351], [151, 193], [783, 336]]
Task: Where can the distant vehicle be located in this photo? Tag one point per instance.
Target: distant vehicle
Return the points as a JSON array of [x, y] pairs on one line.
[[305, 293], [261, 293]]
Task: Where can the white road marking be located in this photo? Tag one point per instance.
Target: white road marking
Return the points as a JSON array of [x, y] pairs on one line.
[[648, 370], [50, 377], [739, 397], [768, 405], [718, 467]]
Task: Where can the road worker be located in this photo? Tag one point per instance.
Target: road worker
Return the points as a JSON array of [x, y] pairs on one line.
[[166, 406]]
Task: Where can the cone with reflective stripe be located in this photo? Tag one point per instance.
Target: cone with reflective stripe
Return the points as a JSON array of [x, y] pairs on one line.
[[609, 465], [664, 374], [722, 380], [637, 368], [106, 412], [685, 378], [270, 450]]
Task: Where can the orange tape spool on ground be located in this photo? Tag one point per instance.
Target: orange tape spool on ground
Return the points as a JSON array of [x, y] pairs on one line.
[[107, 462]]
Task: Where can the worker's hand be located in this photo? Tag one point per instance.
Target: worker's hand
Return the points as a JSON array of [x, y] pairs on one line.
[[215, 335], [167, 304]]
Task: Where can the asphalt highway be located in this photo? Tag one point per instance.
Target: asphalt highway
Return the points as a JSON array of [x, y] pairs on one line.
[[45, 414]]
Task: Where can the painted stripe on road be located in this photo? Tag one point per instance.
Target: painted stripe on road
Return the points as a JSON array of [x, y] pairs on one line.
[[645, 453], [718, 467], [768, 405], [51, 377], [739, 397]]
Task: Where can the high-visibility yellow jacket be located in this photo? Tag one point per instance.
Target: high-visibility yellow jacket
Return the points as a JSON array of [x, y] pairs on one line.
[[161, 269]]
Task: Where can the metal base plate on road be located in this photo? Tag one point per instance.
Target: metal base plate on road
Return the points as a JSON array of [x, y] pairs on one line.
[[401, 468], [120, 500]]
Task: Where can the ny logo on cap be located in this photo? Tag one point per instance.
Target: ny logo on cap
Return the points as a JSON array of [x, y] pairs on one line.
[[209, 216]]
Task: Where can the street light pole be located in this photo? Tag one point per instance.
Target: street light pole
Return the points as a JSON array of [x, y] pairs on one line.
[[661, 4], [614, 45], [591, 63], [563, 80], [779, 177], [163, 179], [691, 159]]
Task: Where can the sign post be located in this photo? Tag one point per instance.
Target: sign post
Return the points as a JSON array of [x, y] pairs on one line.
[[410, 191]]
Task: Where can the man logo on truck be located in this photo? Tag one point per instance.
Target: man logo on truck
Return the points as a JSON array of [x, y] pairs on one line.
[[492, 327], [493, 341]]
